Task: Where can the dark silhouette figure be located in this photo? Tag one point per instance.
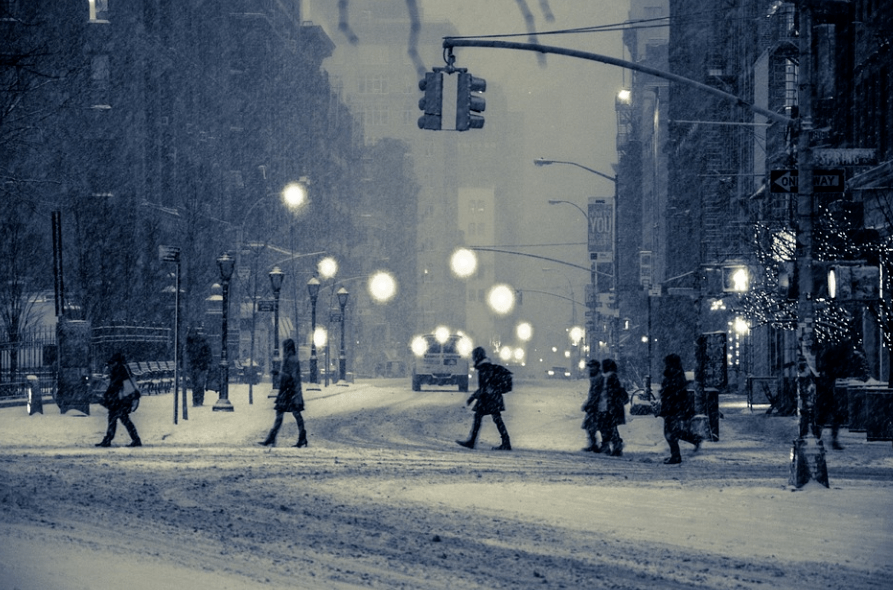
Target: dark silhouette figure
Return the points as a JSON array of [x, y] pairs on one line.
[[675, 408], [835, 361], [611, 412], [200, 358], [590, 422], [119, 409], [489, 401], [290, 397]]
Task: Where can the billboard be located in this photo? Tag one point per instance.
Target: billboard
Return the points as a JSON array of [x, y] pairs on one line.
[[601, 229]]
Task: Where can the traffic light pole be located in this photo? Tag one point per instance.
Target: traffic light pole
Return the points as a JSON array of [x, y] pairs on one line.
[[451, 42]]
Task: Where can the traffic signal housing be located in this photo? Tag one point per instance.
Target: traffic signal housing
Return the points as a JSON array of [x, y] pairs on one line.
[[469, 101], [735, 279], [432, 103]]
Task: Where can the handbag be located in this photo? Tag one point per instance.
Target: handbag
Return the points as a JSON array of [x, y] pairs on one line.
[[128, 389]]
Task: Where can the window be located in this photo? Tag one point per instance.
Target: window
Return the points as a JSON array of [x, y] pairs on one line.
[[372, 84], [99, 79], [99, 71], [99, 10]]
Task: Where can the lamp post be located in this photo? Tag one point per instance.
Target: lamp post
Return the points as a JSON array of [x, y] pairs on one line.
[[591, 301], [276, 276], [226, 264], [342, 359], [313, 290]]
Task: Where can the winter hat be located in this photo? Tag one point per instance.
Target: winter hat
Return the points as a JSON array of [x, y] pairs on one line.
[[478, 355]]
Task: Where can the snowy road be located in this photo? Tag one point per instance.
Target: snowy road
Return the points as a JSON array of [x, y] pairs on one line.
[[384, 498]]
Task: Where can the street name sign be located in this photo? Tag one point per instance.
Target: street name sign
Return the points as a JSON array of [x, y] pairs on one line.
[[266, 305]]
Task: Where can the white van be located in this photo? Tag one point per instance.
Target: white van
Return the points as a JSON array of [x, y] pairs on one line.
[[440, 363]]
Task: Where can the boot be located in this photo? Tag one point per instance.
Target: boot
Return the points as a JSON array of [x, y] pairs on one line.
[[617, 449], [104, 443], [673, 460], [268, 442], [472, 438], [135, 443], [500, 426], [302, 439]]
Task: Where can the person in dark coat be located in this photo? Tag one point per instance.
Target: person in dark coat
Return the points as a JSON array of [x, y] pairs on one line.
[[200, 358], [611, 409], [489, 401], [590, 422], [675, 408], [835, 361], [290, 397], [119, 409]]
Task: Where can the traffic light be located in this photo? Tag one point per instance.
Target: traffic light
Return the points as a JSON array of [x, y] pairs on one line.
[[432, 103], [853, 282], [469, 101], [735, 279]]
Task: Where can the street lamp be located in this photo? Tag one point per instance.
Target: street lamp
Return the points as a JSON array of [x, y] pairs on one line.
[[342, 359], [592, 299], [295, 197], [276, 276], [313, 290], [544, 162], [226, 264]]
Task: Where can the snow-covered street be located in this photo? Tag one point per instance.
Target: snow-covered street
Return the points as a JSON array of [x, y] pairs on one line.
[[383, 497]]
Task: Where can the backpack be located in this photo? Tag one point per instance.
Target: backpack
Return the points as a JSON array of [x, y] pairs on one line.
[[500, 379]]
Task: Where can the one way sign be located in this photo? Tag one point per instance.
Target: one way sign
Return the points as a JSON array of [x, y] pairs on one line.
[[823, 181]]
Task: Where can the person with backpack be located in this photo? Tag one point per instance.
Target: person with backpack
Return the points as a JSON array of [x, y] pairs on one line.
[[120, 403], [493, 381]]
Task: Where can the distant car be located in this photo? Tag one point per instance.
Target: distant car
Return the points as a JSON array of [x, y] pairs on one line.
[[558, 373], [440, 361]]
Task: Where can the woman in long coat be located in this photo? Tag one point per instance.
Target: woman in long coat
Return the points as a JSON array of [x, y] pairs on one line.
[[119, 409], [675, 408], [590, 422], [615, 397], [290, 397]]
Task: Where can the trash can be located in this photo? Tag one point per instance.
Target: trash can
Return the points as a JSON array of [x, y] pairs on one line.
[[35, 396], [879, 414]]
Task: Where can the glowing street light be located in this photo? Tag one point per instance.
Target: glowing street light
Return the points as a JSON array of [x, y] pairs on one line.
[[501, 299], [524, 331], [295, 195], [327, 267], [463, 262], [382, 286]]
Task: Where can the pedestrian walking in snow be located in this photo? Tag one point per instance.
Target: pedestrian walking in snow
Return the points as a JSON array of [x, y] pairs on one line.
[[611, 409], [833, 362], [120, 405], [590, 422], [492, 383], [290, 397], [198, 352], [675, 408]]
